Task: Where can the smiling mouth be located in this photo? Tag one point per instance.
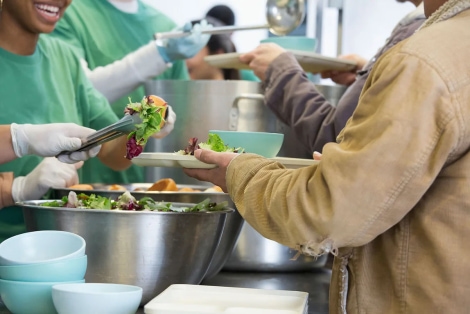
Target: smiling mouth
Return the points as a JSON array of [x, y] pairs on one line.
[[48, 10]]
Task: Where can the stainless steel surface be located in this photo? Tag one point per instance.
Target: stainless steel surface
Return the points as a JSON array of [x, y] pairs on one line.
[[233, 222], [253, 252], [148, 249], [316, 283], [282, 16]]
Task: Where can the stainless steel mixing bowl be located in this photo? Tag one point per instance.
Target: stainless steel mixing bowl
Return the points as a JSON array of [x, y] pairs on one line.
[[233, 223], [148, 249]]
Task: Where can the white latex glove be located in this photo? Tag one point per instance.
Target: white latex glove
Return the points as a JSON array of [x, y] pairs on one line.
[[173, 49], [169, 124], [50, 173], [49, 140]]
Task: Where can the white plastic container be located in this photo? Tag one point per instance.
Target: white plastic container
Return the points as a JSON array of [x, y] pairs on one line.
[[196, 299]]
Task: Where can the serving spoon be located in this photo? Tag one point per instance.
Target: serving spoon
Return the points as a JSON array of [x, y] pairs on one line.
[[283, 16]]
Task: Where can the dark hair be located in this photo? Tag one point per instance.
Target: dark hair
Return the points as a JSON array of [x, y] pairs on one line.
[[223, 13], [222, 42]]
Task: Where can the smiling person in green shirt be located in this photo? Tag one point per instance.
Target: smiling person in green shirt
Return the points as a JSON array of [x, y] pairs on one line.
[[114, 38], [42, 81]]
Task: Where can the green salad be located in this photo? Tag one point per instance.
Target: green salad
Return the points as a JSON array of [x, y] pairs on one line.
[[214, 143], [128, 202]]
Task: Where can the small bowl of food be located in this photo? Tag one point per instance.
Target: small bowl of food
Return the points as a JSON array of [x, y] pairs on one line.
[[103, 298], [262, 143], [40, 247], [63, 270]]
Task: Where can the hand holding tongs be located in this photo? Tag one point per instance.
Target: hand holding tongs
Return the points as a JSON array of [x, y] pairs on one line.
[[115, 130]]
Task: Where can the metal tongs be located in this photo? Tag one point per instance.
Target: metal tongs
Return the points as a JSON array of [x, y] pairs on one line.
[[115, 130]]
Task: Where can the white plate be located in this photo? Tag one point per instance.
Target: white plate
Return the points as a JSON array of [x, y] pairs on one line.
[[169, 160], [186, 161], [189, 299], [309, 61]]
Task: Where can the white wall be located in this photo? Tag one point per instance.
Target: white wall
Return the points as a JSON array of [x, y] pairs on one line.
[[367, 23]]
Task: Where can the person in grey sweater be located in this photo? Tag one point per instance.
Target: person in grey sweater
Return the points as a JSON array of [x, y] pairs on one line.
[[294, 98]]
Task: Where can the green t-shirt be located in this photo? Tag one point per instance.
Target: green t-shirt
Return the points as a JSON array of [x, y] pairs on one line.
[[104, 34], [46, 87]]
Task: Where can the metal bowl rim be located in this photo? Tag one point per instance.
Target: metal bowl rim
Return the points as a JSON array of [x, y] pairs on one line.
[[35, 205]]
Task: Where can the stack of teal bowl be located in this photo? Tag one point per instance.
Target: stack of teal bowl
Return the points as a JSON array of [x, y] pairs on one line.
[[31, 263]]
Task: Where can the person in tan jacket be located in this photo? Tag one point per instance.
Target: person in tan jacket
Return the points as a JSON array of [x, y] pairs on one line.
[[391, 198], [45, 140]]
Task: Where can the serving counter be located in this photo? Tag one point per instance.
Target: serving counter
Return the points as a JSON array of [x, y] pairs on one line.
[[316, 283]]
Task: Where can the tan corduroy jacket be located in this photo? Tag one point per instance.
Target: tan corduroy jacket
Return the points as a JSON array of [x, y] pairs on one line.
[[392, 198]]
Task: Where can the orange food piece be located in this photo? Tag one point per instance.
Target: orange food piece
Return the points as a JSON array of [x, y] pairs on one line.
[[158, 101], [217, 188], [166, 184], [116, 187], [81, 187]]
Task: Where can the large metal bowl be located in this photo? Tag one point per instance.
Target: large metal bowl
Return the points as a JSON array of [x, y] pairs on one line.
[[233, 223], [148, 249], [253, 252]]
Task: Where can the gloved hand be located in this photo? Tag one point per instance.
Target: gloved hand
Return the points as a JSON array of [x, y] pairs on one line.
[[50, 173], [173, 49], [170, 120], [49, 140]]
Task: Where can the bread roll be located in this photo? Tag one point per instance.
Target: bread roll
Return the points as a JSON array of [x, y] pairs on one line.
[[81, 187], [116, 187], [166, 184]]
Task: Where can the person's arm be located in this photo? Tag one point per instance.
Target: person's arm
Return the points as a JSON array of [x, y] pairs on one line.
[[6, 181], [45, 140], [8, 154], [121, 77], [404, 139], [295, 101]]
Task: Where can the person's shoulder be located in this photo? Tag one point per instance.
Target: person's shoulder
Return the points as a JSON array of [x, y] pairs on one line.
[[156, 15], [57, 49]]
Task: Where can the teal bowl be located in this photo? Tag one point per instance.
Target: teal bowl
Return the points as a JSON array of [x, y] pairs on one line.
[[29, 297], [262, 143], [41, 246], [63, 270], [294, 42]]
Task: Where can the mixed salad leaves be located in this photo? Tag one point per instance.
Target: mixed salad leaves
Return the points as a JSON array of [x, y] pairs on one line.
[[152, 110], [128, 202], [214, 143]]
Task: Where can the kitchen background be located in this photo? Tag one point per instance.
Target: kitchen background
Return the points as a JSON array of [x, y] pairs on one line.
[[365, 23]]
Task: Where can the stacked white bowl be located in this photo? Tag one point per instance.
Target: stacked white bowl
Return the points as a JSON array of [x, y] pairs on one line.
[[31, 263]]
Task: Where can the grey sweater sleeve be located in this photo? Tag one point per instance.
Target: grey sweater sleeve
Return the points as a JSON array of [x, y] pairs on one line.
[[296, 101]]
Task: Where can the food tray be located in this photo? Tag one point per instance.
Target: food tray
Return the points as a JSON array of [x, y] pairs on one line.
[[195, 299]]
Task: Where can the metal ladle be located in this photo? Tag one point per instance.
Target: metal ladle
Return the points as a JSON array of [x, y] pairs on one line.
[[283, 16]]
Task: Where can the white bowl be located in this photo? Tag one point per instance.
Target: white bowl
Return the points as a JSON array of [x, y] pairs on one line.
[[102, 298], [40, 247]]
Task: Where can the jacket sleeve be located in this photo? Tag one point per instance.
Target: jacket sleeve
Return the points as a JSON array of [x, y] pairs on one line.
[[296, 102], [6, 181], [388, 155]]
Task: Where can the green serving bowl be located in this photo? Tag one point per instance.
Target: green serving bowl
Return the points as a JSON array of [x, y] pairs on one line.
[[294, 42]]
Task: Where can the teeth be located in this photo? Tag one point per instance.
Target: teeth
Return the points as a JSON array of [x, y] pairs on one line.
[[48, 8]]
